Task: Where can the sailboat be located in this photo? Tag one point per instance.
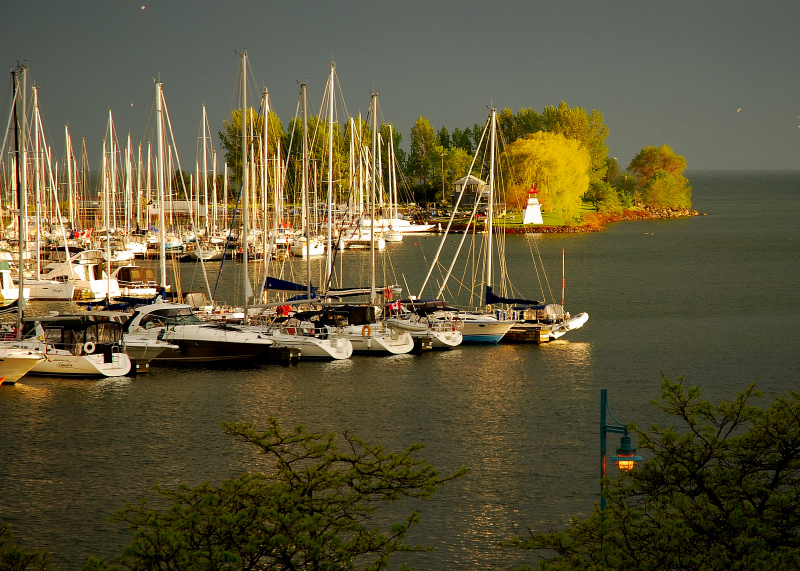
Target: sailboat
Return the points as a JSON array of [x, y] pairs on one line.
[[306, 245], [195, 341], [530, 320], [360, 323]]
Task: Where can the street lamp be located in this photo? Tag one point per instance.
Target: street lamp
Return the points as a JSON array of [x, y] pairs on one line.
[[626, 457]]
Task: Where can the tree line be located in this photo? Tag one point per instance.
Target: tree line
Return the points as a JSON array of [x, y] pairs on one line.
[[561, 151]]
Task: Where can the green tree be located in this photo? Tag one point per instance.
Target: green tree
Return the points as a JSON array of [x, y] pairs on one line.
[[660, 180], [312, 509], [604, 197], [443, 135], [423, 155], [612, 170], [651, 159], [461, 139], [664, 190], [231, 138], [721, 491], [557, 166], [588, 128], [178, 185], [13, 557]]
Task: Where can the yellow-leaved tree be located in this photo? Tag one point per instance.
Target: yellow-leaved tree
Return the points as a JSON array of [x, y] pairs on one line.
[[558, 167]]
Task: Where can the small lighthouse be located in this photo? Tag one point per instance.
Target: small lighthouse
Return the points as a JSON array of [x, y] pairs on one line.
[[532, 212]]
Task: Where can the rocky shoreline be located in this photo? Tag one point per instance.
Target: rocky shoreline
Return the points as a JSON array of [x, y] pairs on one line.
[[593, 222], [597, 222]]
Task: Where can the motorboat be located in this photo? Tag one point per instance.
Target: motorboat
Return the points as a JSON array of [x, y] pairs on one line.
[[304, 331], [543, 322], [196, 341], [85, 271], [73, 345]]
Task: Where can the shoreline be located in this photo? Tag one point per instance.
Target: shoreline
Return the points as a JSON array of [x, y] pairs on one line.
[[595, 222]]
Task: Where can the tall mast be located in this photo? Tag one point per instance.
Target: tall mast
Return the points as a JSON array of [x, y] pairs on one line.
[[490, 213], [128, 186], [205, 171], [373, 181], [306, 217], [37, 179], [106, 193], [22, 158], [162, 242], [245, 198], [113, 189], [139, 189], [68, 144], [329, 253], [21, 209]]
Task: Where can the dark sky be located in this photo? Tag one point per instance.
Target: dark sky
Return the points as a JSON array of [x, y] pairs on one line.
[[717, 81]]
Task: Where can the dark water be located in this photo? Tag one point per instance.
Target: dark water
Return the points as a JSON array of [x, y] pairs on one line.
[[713, 298]]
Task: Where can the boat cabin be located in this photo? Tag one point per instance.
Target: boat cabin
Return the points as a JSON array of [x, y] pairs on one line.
[[79, 334]]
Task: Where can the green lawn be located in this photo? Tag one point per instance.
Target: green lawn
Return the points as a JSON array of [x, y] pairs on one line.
[[548, 218]]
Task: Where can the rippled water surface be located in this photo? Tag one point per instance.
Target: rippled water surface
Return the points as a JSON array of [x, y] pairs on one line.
[[714, 298]]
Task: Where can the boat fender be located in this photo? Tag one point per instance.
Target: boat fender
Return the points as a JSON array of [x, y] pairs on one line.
[[88, 347], [366, 331]]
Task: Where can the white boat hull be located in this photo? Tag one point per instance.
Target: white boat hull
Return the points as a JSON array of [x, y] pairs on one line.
[[311, 347], [14, 366]]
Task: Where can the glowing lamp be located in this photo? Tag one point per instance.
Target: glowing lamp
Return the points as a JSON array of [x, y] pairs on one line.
[[626, 457]]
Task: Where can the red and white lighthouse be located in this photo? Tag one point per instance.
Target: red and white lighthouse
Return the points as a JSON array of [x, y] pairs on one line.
[[532, 211]]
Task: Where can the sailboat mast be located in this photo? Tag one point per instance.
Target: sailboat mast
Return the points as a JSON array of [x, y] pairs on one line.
[[22, 159], [205, 172], [37, 179], [244, 189], [328, 252], [68, 144], [490, 212], [162, 241], [22, 214], [373, 181], [306, 217]]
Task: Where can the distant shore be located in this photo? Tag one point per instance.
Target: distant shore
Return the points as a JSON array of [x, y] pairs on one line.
[[595, 222]]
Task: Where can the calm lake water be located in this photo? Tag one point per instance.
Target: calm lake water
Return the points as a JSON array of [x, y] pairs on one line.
[[713, 298]]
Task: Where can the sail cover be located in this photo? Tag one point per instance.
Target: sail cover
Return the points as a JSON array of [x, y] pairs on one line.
[[492, 298], [274, 284]]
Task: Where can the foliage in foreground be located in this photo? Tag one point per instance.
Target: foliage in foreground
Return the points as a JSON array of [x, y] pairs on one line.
[[312, 509], [16, 558], [719, 493]]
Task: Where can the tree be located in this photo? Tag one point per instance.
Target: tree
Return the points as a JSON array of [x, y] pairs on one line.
[[13, 557], [604, 197], [557, 166], [231, 138], [722, 492], [574, 123], [461, 139], [664, 190], [660, 179], [422, 154], [312, 509], [651, 159], [443, 135]]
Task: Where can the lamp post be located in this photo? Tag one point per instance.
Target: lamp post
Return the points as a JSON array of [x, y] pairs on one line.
[[626, 457]]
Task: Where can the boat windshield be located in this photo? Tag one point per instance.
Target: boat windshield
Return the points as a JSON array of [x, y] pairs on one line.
[[171, 316]]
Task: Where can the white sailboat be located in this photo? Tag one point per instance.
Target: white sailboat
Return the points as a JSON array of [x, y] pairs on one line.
[[360, 323]]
